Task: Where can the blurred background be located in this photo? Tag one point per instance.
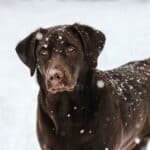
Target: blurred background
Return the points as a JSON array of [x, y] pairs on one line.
[[126, 24]]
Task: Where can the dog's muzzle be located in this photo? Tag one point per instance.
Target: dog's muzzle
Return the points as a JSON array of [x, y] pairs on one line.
[[56, 81]]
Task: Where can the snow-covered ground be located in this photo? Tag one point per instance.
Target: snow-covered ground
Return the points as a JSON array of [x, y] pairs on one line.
[[127, 28]]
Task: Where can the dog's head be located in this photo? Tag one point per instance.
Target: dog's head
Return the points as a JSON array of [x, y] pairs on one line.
[[61, 53]]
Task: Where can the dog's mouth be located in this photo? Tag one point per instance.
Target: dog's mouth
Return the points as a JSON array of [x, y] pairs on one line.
[[61, 88], [59, 81]]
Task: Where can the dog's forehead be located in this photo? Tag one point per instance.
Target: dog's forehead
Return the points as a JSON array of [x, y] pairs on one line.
[[58, 36], [58, 33]]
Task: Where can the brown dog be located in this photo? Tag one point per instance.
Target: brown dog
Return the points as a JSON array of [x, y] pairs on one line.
[[79, 107]]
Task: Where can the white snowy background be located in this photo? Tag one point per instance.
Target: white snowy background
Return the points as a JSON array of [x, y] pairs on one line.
[[125, 23]]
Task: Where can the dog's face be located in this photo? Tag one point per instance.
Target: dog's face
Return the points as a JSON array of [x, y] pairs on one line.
[[61, 53], [60, 59]]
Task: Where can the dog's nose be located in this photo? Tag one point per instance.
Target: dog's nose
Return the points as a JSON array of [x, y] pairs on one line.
[[56, 76]]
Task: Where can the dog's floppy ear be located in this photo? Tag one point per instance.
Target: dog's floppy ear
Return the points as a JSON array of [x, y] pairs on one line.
[[93, 42], [26, 49]]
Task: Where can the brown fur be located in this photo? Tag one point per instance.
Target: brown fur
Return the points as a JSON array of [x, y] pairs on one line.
[[89, 116]]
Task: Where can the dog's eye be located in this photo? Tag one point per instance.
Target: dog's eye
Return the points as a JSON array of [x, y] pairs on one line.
[[44, 52], [70, 49]]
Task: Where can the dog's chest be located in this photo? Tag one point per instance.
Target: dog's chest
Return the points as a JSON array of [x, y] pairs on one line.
[[74, 122], [70, 136], [72, 112]]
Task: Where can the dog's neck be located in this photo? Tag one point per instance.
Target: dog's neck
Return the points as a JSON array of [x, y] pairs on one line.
[[75, 104]]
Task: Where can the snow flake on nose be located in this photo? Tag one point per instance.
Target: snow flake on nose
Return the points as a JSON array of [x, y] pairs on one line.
[[82, 131], [100, 84], [39, 36], [107, 119], [137, 140], [52, 72]]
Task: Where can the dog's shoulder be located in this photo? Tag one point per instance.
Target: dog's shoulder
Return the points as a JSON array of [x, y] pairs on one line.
[[102, 85], [100, 79], [133, 71], [131, 81]]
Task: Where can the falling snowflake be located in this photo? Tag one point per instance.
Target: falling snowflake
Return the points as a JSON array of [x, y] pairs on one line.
[[106, 148], [140, 93], [90, 131], [51, 111], [125, 98], [39, 36], [56, 50], [60, 37], [137, 126], [137, 140], [46, 38], [82, 131], [130, 87], [75, 107], [100, 84], [62, 42], [68, 115], [45, 45]]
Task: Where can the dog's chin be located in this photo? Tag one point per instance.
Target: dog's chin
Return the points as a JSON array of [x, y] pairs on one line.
[[61, 88]]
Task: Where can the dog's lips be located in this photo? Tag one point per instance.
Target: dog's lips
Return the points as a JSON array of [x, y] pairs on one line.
[[67, 84], [61, 89]]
